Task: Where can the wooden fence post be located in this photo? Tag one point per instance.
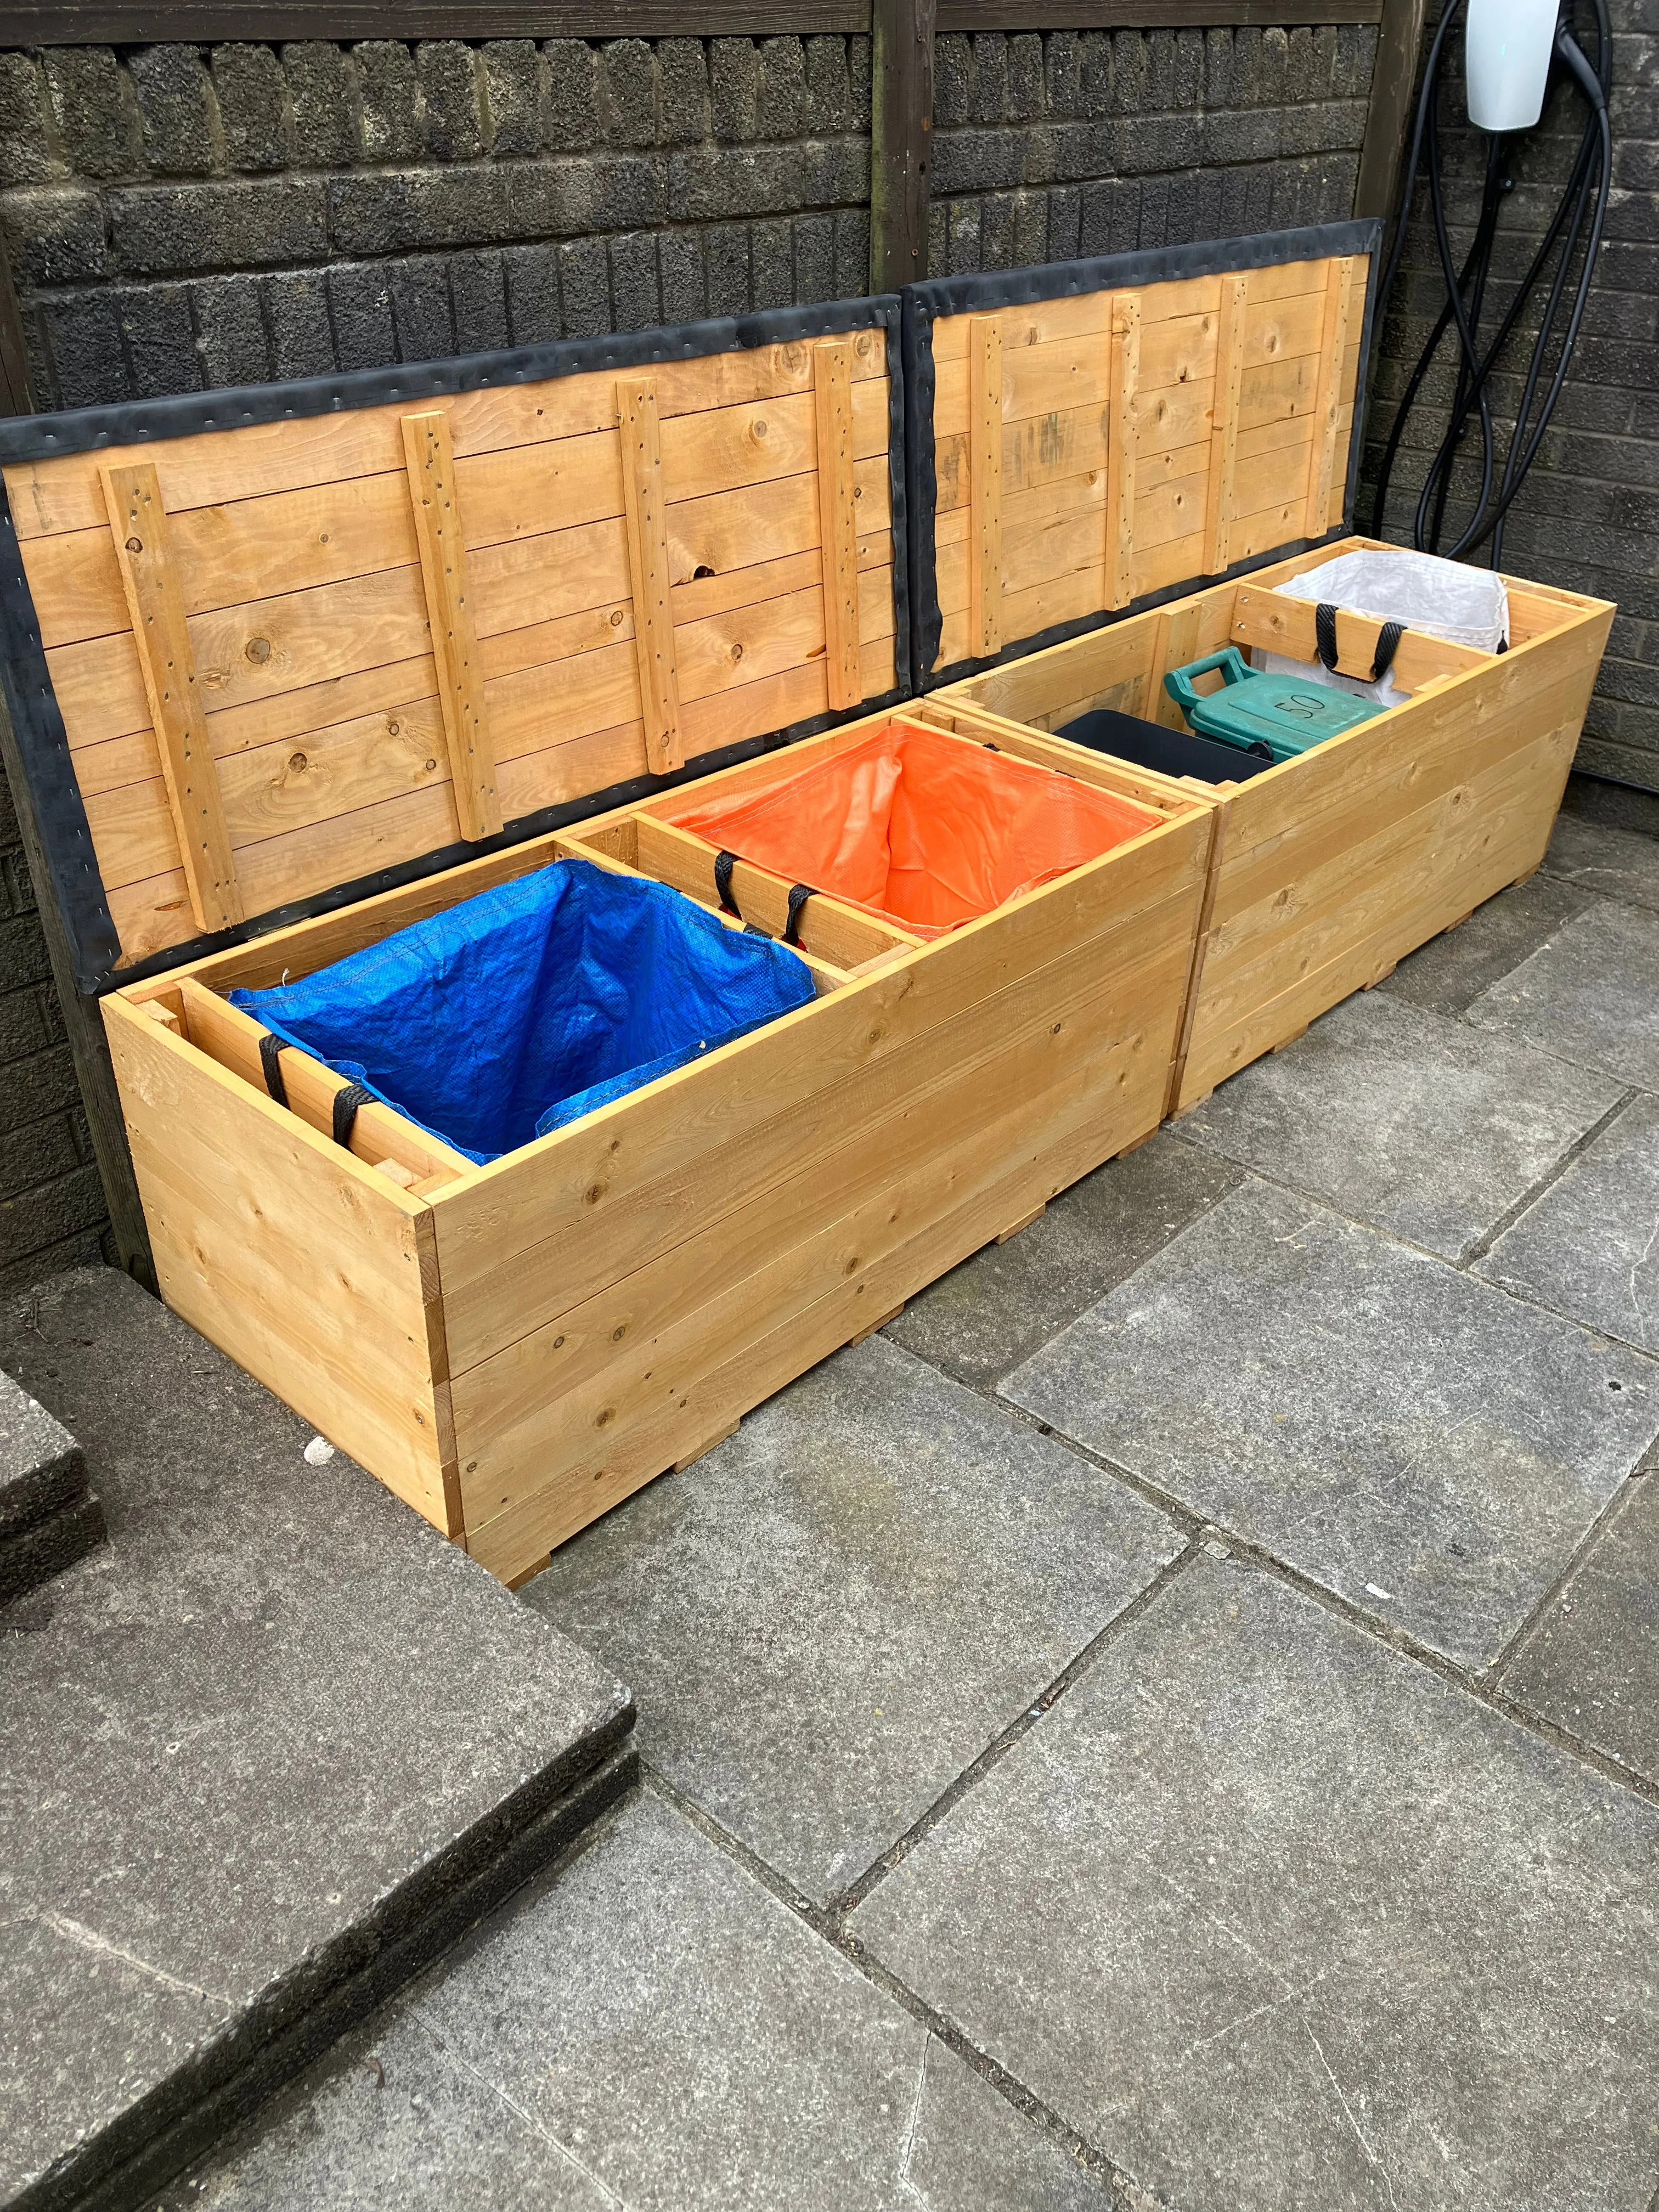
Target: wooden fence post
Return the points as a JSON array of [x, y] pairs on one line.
[[1388, 119], [901, 140]]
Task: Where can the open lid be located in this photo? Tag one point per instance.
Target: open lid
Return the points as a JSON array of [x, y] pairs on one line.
[[270, 650], [1095, 435]]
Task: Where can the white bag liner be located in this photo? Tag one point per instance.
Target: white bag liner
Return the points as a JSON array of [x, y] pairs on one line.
[[1442, 599]]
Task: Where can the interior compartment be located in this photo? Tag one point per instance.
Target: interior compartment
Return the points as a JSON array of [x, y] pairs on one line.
[[918, 829], [524, 1007]]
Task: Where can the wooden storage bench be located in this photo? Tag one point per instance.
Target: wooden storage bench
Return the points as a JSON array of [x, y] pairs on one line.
[[291, 670], [1329, 869], [1088, 443]]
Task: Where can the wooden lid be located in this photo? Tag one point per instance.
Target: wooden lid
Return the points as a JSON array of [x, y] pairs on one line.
[[1092, 436], [272, 649]]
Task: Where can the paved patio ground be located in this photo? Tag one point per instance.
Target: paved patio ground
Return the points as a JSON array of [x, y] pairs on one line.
[[1173, 1722]]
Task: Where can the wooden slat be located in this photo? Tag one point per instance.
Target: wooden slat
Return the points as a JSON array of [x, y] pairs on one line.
[[648, 568], [430, 459], [1328, 403], [1279, 623], [1120, 448], [838, 530], [1223, 437], [151, 581], [985, 482], [838, 933]]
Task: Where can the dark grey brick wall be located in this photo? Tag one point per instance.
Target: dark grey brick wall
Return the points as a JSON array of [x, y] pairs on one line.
[[51, 1204], [1098, 141], [1588, 518], [181, 217]]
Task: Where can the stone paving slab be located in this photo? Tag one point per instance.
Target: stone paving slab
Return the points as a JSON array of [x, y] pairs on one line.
[[1589, 1247], [988, 1315], [261, 1749], [43, 1547], [1278, 1919], [832, 1615], [1592, 1663], [1401, 1117], [1616, 864], [1590, 994], [655, 2029], [1449, 973], [41, 1466], [1413, 1439]]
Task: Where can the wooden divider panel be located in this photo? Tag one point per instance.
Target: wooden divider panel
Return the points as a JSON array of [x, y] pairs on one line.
[[1145, 437], [350, 640]]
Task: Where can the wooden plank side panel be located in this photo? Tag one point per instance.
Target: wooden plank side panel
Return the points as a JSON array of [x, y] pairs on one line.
[[149, 577], [294, 1258]]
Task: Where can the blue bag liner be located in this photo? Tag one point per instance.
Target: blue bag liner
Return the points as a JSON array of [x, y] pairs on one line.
[[531, 1005]]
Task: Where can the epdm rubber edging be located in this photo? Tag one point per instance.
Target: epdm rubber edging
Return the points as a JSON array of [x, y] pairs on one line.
[[1019, 288], [43, 744]]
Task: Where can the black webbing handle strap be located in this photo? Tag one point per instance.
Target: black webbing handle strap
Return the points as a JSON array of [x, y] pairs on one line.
[[723, 864], [271, 1064], [799, 895], [1388, 642], [347, 1100]]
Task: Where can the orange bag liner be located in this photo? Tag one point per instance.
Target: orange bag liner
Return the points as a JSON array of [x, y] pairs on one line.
[[922, 829]]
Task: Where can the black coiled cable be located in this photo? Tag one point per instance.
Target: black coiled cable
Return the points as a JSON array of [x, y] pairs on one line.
[[1593, 164]]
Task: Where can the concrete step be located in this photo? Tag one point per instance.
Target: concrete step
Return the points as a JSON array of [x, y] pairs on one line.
[[269, 1751], [48, 1518]]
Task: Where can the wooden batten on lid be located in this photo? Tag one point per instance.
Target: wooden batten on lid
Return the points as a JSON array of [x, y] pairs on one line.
[[355, 628], [1093, 435]]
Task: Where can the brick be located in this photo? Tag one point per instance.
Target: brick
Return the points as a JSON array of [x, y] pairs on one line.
[[1207, 211], [858, 63], [939, 237], [682, 91], [32, 1088], [532, 293], [734, 85], [680, 273], [477, 290], [1154, 213], [22, 1031], [389, 101], [420, 316], [627, 94], [996, 231], [1024, 77], [584, 288], [834, 172], [961, 249], [96, 114], [176, 110], [1106, 211], [321, 99], [953, 81], [1030, 229], [990, 91], [852, 254], [1181, 210], [84, 345], [38, 1153], [1188, 69], [160, 332], [815, 258], [47, 1218], [1246, 134], [829, 87], [573, 111], [250, 223], [635, 304], [449, 76], [725, 250], [251, 95], [1356, 58], [771, 264], [1097, 93], [1163, 92], [1131, 74], [297, 315], [1065, 214], [1218, 69], [514, 99], [231, 330], [1158, 142], [978, 160], [360, 303], [714, 184], [25, 156], [54, 233], [783, 96]]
